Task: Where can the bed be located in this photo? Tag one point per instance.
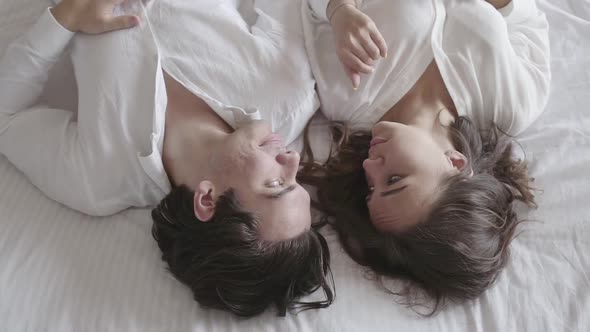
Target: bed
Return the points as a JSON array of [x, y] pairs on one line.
[[64, 271]]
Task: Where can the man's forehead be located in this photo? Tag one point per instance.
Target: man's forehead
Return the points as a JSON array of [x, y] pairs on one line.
[[281, 218]]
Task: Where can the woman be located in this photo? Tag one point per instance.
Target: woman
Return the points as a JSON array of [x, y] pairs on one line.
[[232, 224], [423, 184]]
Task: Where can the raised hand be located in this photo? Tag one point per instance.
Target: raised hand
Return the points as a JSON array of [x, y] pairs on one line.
[[92, 16], [358, 41]]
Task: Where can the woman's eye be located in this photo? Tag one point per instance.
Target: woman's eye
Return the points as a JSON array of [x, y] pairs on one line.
[[393, 180]]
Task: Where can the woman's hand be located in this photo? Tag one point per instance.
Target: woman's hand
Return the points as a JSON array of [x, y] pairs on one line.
[[358, 41], [92, 16]]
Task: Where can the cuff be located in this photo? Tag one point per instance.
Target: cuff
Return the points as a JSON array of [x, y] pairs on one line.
[[319, 8], [48, 37], [518, 11]]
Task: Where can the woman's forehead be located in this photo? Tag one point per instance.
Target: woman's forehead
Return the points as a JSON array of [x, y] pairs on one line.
[[394, 213]]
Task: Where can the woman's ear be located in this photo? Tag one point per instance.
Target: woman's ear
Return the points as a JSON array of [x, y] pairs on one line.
[[204, 201], [458, 160]]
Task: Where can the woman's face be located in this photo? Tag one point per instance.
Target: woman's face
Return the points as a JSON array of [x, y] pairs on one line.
[[404, 168], [255, 163]]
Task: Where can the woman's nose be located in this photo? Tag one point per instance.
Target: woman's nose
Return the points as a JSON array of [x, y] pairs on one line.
[[371, 164]]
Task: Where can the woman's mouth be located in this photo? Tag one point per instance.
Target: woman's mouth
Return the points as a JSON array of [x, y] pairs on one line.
[[377, 140]]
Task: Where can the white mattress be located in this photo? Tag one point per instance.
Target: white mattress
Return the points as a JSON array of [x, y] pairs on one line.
[[63, 271]]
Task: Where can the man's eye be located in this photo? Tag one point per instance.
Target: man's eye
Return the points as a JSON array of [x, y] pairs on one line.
[[368, 197], [393, 180]]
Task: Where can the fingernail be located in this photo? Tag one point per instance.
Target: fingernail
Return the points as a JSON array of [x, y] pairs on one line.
[[372, 70], [385, 55]]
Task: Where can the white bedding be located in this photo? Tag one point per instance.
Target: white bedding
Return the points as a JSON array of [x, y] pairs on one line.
[[63, 271]]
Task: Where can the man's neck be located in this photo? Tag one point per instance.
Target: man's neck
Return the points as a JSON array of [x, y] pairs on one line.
[[193, 132]]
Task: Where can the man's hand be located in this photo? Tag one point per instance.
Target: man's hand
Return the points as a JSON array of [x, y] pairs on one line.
[[358, 41], [499, 4], [92, 16]]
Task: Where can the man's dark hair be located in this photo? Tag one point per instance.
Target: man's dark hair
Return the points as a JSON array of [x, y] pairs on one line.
[[228, 266]]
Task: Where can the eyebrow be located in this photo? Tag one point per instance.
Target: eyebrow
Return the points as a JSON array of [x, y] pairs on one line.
[[393, 191], [278, 195]]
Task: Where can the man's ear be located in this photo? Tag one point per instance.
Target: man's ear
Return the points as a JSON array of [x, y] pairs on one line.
[[458, 160], [204, 201]]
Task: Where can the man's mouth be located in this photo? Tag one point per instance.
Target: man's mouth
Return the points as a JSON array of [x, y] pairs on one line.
[[272, 139]]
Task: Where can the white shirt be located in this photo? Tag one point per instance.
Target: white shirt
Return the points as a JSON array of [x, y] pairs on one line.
[[109, 158], [495, 64]]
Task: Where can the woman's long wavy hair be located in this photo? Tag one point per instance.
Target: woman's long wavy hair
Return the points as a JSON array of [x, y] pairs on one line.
[[457, 251], [228, 266]]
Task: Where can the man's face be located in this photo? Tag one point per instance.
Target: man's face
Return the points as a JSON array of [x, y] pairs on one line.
[[254, 162]]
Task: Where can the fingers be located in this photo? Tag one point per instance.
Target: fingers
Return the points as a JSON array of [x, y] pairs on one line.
[[120, 22], [354, 63], [355, 77], [379, 42], [359, 50], [371, 48], [360, 44]]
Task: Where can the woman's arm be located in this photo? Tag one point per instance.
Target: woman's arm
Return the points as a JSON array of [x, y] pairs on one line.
[[515, 79], [334, 5], [529, 51]]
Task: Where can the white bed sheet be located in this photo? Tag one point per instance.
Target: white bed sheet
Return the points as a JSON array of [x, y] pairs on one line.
[[64, 271]]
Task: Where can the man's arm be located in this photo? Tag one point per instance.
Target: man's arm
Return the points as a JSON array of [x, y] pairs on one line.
[[44, 143], [25, 66]]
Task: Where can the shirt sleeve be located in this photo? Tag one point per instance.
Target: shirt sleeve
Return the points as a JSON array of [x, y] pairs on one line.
[[518, 11], [40, 141], [25, 66], [526, 54], [318, 8], [500, 63]]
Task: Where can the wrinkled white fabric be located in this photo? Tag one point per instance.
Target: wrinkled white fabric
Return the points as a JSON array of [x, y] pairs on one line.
[[64, 271], [495, 64]]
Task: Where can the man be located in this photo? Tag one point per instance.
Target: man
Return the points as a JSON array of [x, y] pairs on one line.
[[234, 226]]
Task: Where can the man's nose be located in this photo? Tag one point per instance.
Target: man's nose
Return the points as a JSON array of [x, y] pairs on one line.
[[288, 157]]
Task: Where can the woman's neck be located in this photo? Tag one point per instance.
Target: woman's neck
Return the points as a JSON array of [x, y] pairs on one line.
[[422, 104], [428, 106]]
